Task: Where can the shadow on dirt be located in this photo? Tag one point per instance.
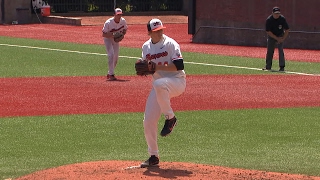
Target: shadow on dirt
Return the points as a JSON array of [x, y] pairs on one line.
[[167, 173]]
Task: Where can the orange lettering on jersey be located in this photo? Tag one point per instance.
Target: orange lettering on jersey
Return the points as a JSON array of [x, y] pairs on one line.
[[155, 56]]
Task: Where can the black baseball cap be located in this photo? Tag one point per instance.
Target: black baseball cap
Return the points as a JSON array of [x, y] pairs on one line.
[[276, 10]]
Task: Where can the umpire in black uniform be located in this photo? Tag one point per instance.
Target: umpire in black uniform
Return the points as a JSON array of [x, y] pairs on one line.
[[277, 30]]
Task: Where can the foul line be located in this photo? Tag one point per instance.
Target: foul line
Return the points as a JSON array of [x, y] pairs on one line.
[[129, 57], [256, 69]]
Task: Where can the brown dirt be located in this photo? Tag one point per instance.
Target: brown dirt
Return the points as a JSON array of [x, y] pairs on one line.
[[38, 96], [167, 170], [99, 20]]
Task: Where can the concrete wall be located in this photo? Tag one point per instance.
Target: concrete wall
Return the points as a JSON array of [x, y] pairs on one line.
[[242, 22], [1, 7], [18, 10], [185, 7]]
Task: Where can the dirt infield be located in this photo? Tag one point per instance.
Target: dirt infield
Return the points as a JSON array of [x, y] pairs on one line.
[[227, 92], [167, 170], [133, 20], [60, 95]]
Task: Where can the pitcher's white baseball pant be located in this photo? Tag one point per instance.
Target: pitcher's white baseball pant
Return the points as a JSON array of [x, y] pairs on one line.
[[158, 103]]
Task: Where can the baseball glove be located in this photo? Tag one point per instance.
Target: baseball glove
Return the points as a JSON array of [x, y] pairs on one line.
[[144, 67], [117, 36]]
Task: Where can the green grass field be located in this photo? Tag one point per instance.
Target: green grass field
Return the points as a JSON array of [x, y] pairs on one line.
[[278, 140]]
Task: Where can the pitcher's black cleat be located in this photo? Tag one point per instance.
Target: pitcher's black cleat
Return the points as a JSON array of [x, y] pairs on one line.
[[168, 126], [152, 161]]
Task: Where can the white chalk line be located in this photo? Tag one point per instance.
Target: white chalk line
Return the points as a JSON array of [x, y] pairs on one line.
[[130, 57], [256, 69]]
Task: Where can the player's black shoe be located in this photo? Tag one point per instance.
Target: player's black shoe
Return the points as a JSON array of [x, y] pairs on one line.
[[281, 69], [152, 161], [168, 126], [111, 77]]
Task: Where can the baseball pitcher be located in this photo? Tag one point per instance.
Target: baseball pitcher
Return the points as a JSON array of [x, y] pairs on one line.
[[162, 59]]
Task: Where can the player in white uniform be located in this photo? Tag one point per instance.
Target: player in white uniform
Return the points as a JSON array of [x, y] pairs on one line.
[[169, 80], [111, 26]]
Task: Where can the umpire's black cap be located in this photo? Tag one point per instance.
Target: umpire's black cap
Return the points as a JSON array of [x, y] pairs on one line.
[[276, 10]]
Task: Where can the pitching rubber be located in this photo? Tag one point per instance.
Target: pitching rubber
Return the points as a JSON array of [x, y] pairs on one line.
[[133, 167]]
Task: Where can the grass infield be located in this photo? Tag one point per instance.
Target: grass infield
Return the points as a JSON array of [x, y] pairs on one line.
[[279, 140]]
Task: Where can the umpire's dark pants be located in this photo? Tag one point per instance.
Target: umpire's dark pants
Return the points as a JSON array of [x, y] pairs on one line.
[[271, 45]]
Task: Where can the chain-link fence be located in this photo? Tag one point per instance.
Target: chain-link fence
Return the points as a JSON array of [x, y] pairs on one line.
[[64, 6]]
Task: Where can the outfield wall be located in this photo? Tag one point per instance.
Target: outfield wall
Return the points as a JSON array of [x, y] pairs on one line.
[[242, 22], [17, 11]]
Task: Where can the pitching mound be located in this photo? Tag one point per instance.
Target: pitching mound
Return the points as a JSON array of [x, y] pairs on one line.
[[167, 170]]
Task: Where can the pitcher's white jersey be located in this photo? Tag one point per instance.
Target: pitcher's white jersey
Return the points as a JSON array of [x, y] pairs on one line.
[[164, 52], [111, 26]]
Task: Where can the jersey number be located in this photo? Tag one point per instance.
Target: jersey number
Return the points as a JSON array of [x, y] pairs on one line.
[[165, 63]]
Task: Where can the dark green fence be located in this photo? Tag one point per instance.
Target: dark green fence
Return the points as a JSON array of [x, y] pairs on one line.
[[64, 6]]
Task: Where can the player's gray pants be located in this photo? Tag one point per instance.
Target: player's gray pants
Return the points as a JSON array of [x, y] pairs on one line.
[[271, 45], [158, 102], [112, 49]]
